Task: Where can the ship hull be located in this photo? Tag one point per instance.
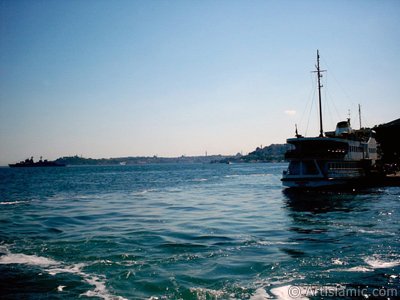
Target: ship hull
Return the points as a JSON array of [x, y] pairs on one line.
[[325, 162], [372, 180], [320, 183]]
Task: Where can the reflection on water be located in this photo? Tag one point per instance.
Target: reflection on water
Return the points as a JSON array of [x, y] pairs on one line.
[[319, 201]]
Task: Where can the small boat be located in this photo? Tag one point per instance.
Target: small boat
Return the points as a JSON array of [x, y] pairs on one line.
[[341, 157], [29, 163]]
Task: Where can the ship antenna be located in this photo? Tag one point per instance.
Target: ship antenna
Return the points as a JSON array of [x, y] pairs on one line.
[[319, 76]]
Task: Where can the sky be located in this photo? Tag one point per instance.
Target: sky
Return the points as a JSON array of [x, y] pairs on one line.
[[171, 78]]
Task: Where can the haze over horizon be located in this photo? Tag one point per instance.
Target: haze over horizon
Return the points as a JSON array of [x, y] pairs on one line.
[[171, 78]]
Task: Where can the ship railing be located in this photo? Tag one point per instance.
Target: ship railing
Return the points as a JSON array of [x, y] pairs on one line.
[[293, 154]]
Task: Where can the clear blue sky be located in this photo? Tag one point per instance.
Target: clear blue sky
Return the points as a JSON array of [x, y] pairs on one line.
[[171, 78]]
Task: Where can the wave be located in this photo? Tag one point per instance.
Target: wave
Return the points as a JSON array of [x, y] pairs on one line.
[[31, 260], [60, 288], [260, 294], [13, 202], [356, 269], [249, 175], [204, 293], [199, 179], [270, 243], [173, 190], [337, 261], [100, 290], [54, 267], [285, 292], [301, 292], [376, 262], [261, 174], [373, 262], [143, 192], [378, 232]]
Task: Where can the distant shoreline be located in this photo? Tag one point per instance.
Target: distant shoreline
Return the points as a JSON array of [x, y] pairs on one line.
[[136, 160], [273, 153]]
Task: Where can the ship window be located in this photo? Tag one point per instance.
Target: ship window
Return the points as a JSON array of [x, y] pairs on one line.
[[294, 168], [309, 167]]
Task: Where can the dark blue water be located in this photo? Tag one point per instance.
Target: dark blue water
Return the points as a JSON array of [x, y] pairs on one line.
[[191, 232]]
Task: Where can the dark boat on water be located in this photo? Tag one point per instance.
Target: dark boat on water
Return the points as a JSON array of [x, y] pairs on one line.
[[29, 163], [341, 157]]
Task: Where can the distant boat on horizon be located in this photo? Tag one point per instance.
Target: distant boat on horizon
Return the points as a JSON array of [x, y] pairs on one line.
[[29, 163], [341, 157]]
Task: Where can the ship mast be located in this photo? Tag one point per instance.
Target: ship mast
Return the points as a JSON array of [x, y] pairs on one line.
[[319, 75]]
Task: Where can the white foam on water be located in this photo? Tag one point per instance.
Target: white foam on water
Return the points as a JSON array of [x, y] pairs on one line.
[[260, 294], [357, 269], [376, 263], [173, 190], [202, 293], [60, 288], [287, 291], [352, 269], [99, 283], [373, 262], [337, 261], [100, 289], [127, 263], [378, 232], [13, 202], [4, 249], [199, 179], [278, 280], [32, 260], [53, 268], [302, 292], [270, 243], [86, 196], [143, 192], [74, 269]]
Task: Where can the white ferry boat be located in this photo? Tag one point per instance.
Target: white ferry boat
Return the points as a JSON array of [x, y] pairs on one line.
[[341, 157]]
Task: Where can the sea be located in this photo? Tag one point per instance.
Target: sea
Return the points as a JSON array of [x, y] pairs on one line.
[[192, 231]]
